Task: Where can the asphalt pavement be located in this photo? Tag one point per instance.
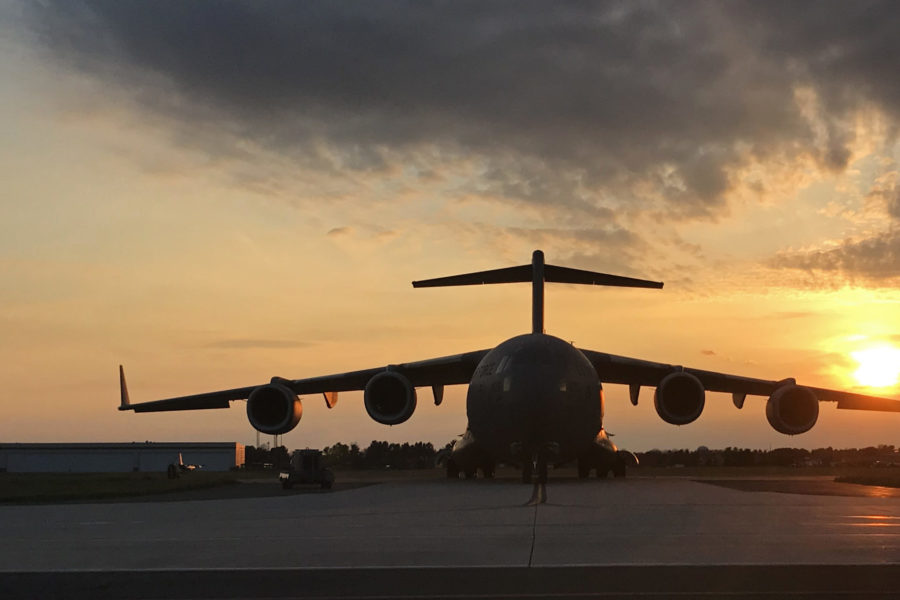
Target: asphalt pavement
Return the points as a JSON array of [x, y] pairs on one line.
[[477, 539]]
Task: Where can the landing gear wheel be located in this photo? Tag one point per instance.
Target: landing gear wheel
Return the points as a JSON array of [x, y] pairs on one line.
[[487, 471], [584, 468], [527, 471], [541, 469], [470, 473], [452, 469], [619, 470]]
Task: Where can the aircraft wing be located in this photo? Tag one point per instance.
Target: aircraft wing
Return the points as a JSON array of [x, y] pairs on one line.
[[637, 373], [434, 372]]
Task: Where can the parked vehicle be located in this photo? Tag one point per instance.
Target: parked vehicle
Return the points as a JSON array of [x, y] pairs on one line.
[[306, 468]]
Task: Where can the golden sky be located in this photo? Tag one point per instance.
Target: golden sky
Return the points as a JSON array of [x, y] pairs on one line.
[[216, 194]]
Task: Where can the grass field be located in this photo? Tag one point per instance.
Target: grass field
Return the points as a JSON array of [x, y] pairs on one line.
[[27, 488], [63, 487]]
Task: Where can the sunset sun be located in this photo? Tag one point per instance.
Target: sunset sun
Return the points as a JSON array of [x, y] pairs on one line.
[[879, 366]]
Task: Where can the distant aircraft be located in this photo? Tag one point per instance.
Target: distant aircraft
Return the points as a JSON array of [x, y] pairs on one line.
[[534, 399], [174, 470], [183, 467]]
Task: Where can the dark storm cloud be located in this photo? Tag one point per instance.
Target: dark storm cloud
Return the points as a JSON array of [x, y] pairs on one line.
[[599, 97], [874, 258], [849, 50]]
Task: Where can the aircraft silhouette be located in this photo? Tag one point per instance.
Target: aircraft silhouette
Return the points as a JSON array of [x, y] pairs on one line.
[[532, 400]]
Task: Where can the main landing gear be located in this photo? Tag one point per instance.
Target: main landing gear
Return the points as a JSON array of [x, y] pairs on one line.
[[535, 470], [534, 463], [616, 465], [454, 470]]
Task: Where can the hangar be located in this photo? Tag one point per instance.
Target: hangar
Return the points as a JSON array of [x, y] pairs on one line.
[[118, 457]]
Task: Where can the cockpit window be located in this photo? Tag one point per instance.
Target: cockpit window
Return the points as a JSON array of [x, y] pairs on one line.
[[504, 362]]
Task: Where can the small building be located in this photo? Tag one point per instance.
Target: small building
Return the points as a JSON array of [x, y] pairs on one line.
[[118, 457]]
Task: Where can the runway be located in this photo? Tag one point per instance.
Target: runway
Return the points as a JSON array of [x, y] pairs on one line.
[[653, 529]]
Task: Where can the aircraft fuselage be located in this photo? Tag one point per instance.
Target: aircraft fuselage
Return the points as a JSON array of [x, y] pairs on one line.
[[535, 393]]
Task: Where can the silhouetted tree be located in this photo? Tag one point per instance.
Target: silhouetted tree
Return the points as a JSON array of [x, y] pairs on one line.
[[280, 457], [337, 455]]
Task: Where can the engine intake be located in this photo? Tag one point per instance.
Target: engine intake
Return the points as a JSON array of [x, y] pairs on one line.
[[679, 398], [792, 409], [390, 398], [274, 409]]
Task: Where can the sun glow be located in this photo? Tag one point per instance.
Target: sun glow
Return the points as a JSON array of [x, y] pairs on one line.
[[879, 366]]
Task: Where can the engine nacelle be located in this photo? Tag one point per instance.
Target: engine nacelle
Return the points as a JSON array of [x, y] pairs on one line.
[[274, 409], [679, 398], [792, 409], [390, 398]]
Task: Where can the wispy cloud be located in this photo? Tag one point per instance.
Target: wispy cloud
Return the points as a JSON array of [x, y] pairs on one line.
[[251, 343], [339, 231]]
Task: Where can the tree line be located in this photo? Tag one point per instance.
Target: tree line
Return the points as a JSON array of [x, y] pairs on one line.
[[882, 455], [423, 455], [377, 455]]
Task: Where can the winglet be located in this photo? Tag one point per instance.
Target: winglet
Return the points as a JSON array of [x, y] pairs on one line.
[[123, 388]]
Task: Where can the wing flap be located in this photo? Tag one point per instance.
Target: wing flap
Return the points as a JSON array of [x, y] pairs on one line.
[[850, 401], [445, 370], [636, 372], [221, 399]]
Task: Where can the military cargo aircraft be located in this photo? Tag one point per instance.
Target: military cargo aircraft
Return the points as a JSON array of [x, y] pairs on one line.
[[532, 400]]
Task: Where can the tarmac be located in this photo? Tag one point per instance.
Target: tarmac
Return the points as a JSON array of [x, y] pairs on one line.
[[467, 539]]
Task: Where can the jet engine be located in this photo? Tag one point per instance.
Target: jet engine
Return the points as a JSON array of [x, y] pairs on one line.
[[792, 409], [679, 398], [390, 398], [274, 409]]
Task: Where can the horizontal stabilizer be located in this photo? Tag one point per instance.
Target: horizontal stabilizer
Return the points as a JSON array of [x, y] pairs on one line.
[[525, 273], [537, 273], [508, 275], [555, 274]]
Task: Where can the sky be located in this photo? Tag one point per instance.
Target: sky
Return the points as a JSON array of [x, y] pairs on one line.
[[213, 194]]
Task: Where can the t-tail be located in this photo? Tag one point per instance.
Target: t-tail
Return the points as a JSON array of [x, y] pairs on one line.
[[538, 273]]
